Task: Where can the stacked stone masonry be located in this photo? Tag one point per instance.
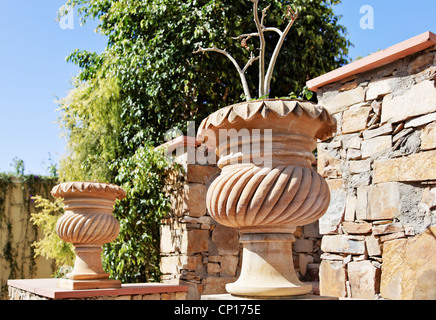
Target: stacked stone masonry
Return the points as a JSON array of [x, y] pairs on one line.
[[21, 294], [379, 232], [204, 255]]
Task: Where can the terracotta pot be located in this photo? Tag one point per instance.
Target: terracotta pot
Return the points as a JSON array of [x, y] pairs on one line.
[[88, 223], [267, 186]]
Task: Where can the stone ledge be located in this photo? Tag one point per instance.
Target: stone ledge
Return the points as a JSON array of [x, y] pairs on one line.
[[375, 60], [232, 297], [46, 288]]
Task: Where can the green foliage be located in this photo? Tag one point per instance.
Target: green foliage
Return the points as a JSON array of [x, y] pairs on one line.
[[18, 165], [51, 246], [90, 119], [163, 84], [134, 255], [148, 81]]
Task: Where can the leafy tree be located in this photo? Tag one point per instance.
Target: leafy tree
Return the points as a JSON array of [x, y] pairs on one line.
[[51, 246], [163, 84], [148, 81], [134, 255], [91, 122]]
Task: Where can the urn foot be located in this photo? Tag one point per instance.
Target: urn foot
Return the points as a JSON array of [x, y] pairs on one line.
[[267, 267], [88, 265]]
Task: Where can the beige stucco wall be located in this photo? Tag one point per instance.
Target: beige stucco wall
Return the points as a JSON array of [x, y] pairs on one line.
[[16, 235]]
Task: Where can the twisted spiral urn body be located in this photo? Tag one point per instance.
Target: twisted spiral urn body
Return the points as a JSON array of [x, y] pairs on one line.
[[250, 197], [88, 223], [267, 186]]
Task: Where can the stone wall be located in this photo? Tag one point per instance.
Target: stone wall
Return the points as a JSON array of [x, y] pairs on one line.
[[20, 294], [204, 255], [195, 250], [46, 289], [381, 169]]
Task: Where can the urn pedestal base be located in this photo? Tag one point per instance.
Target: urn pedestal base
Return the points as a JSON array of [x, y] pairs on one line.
[[88, 265], [88, 284], [88, 271], [267, 267]]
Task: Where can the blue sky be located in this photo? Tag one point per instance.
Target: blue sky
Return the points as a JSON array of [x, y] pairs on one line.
[[33, 70], [394, 22]]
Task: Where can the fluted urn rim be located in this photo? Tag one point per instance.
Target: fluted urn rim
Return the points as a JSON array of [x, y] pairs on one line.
[[282, 107], [87, 188]]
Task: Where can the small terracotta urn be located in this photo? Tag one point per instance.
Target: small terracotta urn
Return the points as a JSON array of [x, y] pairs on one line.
[[267, 186], [88, 223]]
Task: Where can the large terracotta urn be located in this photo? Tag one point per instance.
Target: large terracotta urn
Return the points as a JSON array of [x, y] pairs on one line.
[[267, 186], [88, 223]]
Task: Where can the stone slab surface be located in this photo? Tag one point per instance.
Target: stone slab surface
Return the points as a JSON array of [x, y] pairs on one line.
[[49, 289], [232, 297], [88, 284]]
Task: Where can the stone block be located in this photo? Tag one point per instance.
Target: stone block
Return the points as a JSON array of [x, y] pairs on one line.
[[379, 88], [332, 279], [312, 230], [229, 265], [303, 245], [359, 166], [428, 137], [420, 99], [416, 167], [421, 63], [364, 279], [393, 236], [303, 261], [216, 285], [373, 246], [352, 141], [355, 119], [343, 244], [194, 200], [197, 241], [328, 163], [383, 201], [420, 121], [213, 268], [353, 154], [408, 270], [375, 145], [429, 198], [225, 240], [193, 263], [338, 102], [381, 131], [167, 243], [328, 224], [361, 203], [350, 208], [169, 264], [386, 229], [201, 174], [357, 227]]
